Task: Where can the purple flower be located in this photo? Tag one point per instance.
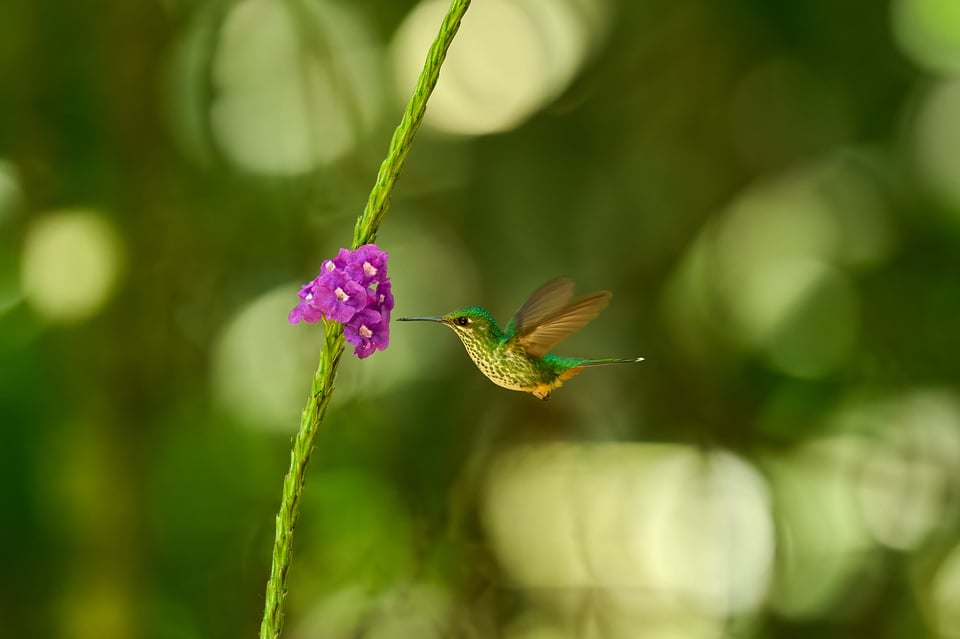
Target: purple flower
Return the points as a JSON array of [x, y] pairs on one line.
[[306, 310], [340, 301], [368, 332], [367, 264], [352, 288], [381, 297], [342, 258]]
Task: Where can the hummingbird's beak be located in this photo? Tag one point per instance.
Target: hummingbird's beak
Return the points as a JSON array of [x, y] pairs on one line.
[[420, 319]]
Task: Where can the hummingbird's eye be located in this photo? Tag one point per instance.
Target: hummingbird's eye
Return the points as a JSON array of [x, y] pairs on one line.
[[462, 321]]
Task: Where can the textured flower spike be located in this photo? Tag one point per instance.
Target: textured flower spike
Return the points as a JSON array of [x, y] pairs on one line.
[[378, 296], [353, 289]]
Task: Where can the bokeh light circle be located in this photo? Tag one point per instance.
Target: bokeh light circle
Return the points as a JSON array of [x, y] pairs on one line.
[[11, 202], [261, 365], [511, 58], [774, 272], [824, 541], [906, 478], [945, 596], [928, 31], [11, 195], [639, 523], [296, 85], [936, 141], [71, 264]]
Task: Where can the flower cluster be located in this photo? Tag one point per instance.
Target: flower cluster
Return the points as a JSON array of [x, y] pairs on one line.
[[353, 289]]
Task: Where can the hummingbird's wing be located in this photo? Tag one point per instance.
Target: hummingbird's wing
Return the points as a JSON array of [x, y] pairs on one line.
[[548, 316], [542, 303]]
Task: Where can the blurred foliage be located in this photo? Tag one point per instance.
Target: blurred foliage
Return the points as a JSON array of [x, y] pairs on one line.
[[768, 188]]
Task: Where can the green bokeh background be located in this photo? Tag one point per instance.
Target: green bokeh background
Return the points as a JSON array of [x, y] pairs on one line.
[[142, 446]]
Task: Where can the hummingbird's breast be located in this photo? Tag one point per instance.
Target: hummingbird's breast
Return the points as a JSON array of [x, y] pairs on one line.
[[507, 367]]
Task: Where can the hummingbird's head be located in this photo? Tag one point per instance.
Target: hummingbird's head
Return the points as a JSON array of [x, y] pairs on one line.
[[472, 324]]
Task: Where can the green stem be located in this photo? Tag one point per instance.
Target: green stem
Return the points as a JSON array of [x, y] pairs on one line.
[[364, 232]]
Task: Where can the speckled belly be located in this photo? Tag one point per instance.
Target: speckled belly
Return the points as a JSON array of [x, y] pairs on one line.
[[508, 369]]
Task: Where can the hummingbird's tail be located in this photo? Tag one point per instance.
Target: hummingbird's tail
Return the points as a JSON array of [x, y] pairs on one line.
[[609, 360], [574, 367]]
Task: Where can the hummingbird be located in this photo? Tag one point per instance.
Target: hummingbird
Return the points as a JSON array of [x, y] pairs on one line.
[[517, 357]]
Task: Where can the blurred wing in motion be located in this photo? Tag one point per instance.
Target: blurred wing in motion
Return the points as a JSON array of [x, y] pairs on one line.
[[548, 316]]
